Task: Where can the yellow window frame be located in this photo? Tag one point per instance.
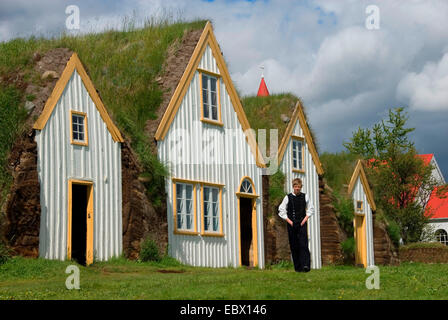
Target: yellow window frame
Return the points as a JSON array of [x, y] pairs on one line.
[[86, 130], [220, 233], [218, 97], [302, 139], [195, 225], [362, 206]]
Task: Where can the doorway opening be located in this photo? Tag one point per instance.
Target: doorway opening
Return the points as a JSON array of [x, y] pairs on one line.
[[80, 231], [246, 232]]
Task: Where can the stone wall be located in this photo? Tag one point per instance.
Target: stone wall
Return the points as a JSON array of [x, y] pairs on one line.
[[426, 255], [21, 230], [140, 218]]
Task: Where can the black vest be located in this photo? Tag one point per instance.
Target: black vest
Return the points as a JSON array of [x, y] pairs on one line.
[[296, 209]]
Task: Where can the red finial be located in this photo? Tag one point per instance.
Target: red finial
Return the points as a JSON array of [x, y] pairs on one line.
[[263, 89]]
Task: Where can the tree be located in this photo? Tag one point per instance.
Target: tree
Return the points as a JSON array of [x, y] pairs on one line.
[[375, 142], [401, 182]]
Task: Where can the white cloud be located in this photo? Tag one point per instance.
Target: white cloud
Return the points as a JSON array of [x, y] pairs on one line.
[[427, 90]]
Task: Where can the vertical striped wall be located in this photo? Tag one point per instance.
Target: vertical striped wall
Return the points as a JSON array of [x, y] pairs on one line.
[[310, 180], [359, 194], [195, 150], [59, 161]]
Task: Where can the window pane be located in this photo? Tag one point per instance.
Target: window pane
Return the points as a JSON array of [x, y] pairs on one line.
[[204, 96], [213, 98], [75, 136], [212, 84], [215, 224], [215, 209], [294, 163], [189, 206], [204, 81], [206, 223], [215, 195], [81, 137], [206, 194], [74, 119], [189, 221], [189, 191], [179, 188], [179, 221], [214, 113]]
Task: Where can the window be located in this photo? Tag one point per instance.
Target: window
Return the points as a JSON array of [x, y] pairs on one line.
[[442, 236], [297, 155], [211, 112], [184, 207], [246, 186], [359, 206], [211, 209], [79, 128]]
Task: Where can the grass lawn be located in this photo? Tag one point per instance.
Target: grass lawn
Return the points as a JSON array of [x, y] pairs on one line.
[[22, 278]]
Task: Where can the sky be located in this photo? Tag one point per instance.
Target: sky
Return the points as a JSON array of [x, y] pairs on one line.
[[348, 62]]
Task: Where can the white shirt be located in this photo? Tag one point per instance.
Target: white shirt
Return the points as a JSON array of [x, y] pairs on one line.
[[282, 210]]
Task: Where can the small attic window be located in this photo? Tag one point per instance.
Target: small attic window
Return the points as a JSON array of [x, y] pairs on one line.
[[79, 128], [359, 206], [210, 106]]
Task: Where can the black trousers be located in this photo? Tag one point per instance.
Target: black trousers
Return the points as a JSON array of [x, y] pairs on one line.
[[298, 242]]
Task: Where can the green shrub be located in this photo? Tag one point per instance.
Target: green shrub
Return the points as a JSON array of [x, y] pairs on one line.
[[348, 249], [149, 251], [393, 229], [4, 253], [345, 213]]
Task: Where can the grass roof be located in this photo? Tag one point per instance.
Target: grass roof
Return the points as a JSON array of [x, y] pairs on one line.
[[271, 112]]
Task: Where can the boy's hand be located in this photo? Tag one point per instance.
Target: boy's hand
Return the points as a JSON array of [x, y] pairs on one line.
[[289, 221], [303, 221]]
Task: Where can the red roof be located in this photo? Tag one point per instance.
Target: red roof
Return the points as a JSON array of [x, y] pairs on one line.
[[438, 206], [426, 158], [263, 89]]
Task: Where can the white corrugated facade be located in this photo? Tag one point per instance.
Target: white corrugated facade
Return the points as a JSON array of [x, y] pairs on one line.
[[310, 180], [194, 150], [359, 194], [59, 161]]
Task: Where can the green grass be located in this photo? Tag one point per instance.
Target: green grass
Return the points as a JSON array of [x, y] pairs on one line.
[[123, 66], [22, 278], [338, 168], [12, 116]]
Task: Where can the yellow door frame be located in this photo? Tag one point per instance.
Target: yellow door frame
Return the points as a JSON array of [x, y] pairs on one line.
[[253, 197], [89, 214], [360, 239]]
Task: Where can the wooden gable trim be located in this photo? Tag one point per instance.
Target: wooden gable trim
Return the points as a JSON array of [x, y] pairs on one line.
[[299, 115], [75, 64], [208, 38], [359, 172]]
